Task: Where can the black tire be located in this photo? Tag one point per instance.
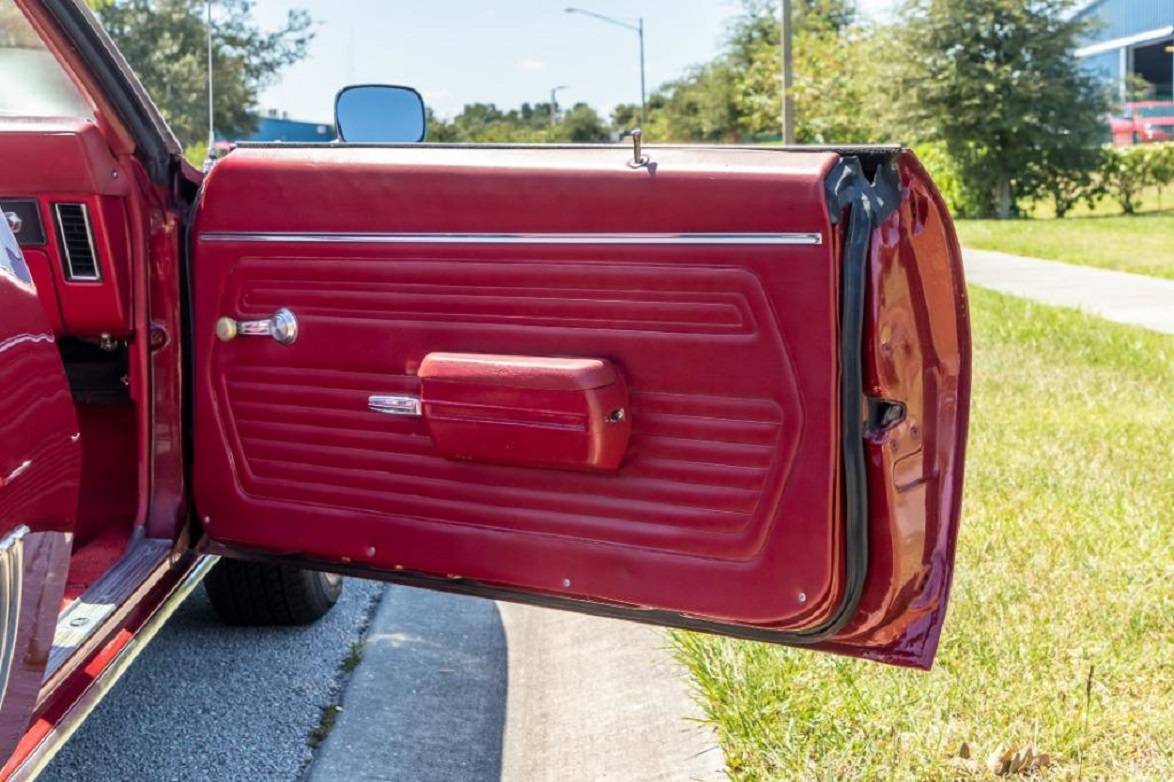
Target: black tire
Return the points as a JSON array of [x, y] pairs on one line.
[[254, 593]]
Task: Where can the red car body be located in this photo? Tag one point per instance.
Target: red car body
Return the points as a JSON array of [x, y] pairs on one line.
[[726, 390], [1143, 122]]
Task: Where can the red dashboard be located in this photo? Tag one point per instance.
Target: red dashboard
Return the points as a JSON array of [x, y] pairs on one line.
[[64, 195]]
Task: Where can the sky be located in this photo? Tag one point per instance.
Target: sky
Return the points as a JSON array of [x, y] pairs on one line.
[[505, 52]]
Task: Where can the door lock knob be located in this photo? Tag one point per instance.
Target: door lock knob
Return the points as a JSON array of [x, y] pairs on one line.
[[283, 327]]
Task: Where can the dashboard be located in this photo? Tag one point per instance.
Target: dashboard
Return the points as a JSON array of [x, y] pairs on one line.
[[65, 197]]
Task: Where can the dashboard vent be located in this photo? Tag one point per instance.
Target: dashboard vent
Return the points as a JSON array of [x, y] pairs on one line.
[[77, 242]]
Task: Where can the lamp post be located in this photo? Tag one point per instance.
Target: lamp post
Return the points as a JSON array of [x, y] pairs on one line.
[[638, 28], [211, 114], [554, 103], [788, 98]]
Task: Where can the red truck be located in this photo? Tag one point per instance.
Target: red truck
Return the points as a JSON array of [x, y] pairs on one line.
[[1143, 122], [724, 389]]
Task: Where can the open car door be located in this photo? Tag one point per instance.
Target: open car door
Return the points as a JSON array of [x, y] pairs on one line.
[[725, 389]]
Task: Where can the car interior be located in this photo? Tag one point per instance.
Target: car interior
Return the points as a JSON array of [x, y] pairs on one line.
[[72, 206]]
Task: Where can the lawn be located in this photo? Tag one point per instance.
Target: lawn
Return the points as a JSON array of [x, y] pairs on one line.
[[1142, 244], [1065, 577]]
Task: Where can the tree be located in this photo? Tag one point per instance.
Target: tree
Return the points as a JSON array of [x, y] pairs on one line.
[[999, 83], [529, 123], [581, 124], [165, 42], [739, 95], [697, 107], [838, 67]]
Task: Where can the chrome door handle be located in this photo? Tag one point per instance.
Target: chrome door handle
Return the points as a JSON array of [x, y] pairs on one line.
[[394, 405], [283, 327]]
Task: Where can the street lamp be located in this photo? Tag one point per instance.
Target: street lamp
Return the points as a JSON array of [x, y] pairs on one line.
[[211, 114], [554, 103], [788, 93], [639, 30]]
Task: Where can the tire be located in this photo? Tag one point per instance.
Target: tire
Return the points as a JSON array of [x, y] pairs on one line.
[[255, 593]]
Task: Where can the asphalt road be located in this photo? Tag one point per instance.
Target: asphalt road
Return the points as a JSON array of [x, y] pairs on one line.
[[210, 702], [448, 687]]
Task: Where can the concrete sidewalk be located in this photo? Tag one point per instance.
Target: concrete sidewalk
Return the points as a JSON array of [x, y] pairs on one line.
[[1133, 299], [462, 688]]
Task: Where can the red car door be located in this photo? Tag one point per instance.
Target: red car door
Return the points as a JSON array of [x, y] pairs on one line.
[[726, 390]]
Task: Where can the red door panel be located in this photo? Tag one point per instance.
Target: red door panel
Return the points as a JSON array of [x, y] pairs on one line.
[[710, 281]]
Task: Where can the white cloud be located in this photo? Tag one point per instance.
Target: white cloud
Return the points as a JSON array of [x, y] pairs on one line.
[[533, 65]]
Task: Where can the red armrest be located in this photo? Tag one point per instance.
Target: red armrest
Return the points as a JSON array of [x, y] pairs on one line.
[[569, 413]]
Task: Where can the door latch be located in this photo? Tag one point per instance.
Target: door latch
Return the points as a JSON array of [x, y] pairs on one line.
[[283, 327], [639, 159]]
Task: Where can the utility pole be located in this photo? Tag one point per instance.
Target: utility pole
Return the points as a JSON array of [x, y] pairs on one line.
[[643, 93], [554, 104], [638, 28], [211, 103], [788, 98]]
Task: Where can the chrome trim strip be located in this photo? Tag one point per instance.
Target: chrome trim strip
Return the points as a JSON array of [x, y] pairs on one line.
[[297, 237], [11, 587], [70, 274], [49, 746]]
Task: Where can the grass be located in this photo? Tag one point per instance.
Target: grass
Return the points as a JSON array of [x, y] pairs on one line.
[[325, 725], [353, 657], [1065, 576], [1142, 244]]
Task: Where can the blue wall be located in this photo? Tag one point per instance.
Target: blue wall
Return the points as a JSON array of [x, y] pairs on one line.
[[279, 129], [1106, 64], [1120, 18]]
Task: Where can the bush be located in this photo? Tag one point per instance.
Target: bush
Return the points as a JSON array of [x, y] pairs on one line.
[[1126, 171], [962, 201], [1162, 165]]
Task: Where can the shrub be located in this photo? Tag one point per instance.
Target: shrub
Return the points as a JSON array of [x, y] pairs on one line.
[[961, 200], [1126, 171], [1065, 176], [1161, 165]]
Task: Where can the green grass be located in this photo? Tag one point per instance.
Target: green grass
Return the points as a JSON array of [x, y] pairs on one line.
[[1142, 244], [1065, 569], [326, 721]]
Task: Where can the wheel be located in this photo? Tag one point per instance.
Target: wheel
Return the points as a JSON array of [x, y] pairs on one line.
[[254, 593]]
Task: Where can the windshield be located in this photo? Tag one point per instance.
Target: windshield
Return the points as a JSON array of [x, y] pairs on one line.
[[32, 83]]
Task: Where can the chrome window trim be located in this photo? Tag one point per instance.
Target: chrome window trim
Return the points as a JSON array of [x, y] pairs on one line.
[[297, 237], [72, 276]]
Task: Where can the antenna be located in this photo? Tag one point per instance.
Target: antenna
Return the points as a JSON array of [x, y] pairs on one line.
[[211, 114]]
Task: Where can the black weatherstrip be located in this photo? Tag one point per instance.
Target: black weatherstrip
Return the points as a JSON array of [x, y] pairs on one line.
[[864, 205]]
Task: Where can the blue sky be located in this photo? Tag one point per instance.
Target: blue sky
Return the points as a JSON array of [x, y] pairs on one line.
[[504, 52]]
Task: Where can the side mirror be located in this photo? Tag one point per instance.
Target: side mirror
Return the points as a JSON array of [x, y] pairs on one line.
[[379, 113]]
